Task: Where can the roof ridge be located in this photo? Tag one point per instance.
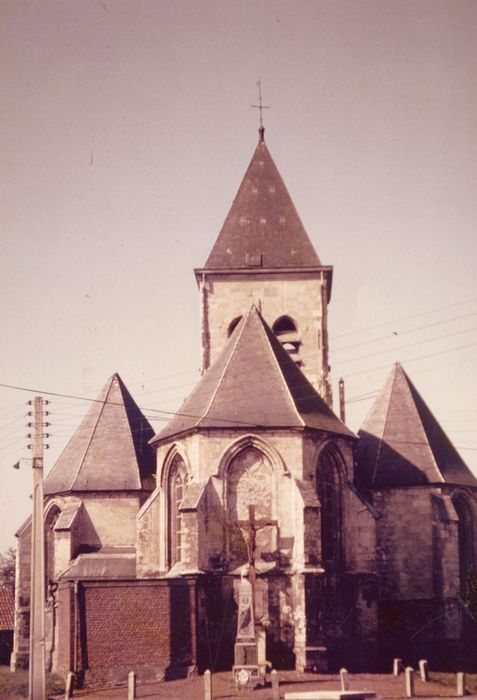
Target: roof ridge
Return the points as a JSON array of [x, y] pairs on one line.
[[280, 370], [428, 441], [103, 404], [226, 365], [385, 422]]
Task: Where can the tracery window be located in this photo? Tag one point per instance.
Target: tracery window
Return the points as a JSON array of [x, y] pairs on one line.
[[250, 482], [328, 488], [50, 522], [465, 540], [176, 487]]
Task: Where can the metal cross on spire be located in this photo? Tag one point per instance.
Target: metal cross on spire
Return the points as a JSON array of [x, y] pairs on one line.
[[261, 107]]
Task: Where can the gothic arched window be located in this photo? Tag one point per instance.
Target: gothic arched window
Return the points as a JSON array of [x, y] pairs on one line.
[[328, 488], [176, 487], [465, 539], [250, 482], [50, 566]]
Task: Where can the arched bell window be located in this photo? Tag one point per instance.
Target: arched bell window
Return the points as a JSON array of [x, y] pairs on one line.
[[328, 489], [465, 540], [176, 487], [287, 333]]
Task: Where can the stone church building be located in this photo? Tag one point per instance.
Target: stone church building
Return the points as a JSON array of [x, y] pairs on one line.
[[370, 548]]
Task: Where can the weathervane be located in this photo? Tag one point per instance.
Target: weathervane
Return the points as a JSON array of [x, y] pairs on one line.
[[261, 107]]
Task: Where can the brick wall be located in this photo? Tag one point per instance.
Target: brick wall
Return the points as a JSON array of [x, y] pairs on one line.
[[122, 626]]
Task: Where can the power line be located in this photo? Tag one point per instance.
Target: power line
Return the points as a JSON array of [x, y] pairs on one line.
[[405, 332], [406, 318], [411, 359], [404, 347]]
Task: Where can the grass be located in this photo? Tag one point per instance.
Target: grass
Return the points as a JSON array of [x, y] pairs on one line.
[[15, 685]]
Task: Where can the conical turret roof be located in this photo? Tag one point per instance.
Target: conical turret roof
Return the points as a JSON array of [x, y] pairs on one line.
[[253, 384], [402, 443], [262, 228], [109, 451]]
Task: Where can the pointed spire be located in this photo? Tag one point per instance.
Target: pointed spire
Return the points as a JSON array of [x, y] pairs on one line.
[[262, 229], [402, 443], [109, 451], [246, 389]]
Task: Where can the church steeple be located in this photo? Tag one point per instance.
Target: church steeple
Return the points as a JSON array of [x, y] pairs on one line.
[[263, 256], [263, 228]]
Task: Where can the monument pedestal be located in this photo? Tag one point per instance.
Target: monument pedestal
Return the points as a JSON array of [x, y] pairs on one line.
[[246, 670]]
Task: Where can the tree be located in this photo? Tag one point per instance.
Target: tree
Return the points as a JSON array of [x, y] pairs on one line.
[[7, 569]]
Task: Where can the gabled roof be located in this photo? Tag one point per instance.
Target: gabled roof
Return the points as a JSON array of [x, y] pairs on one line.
[[262, 228], [402, 444], [254, 383], [109, 451]]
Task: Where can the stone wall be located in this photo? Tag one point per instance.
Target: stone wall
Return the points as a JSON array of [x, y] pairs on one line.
[[421, 612], [302, 296], [21, 632]]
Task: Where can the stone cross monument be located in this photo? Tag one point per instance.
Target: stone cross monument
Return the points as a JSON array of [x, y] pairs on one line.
[[248, 666]]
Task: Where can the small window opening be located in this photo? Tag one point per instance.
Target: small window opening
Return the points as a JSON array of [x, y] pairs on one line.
[[287, 333], [284, 324], [291, 347]]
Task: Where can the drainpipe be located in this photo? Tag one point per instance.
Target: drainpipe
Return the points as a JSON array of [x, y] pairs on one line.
[[75, 627], [342, 400]]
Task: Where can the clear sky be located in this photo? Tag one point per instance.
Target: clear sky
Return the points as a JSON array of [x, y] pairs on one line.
[[126, 129]]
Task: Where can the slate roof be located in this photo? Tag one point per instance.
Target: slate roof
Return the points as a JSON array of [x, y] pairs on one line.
[[402, 443], [253, 383], [262, 228], [7, 608], [109, 451], [112, 564]]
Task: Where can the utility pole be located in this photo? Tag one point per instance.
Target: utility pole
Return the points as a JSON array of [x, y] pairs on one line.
[[37, 689]]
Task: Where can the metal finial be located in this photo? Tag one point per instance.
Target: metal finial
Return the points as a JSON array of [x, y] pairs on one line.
[[261, 107]]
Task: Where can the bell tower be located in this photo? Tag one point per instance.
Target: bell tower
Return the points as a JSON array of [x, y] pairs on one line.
[[263, 256]]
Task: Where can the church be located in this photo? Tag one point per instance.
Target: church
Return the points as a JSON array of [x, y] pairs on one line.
[[362, 545]]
